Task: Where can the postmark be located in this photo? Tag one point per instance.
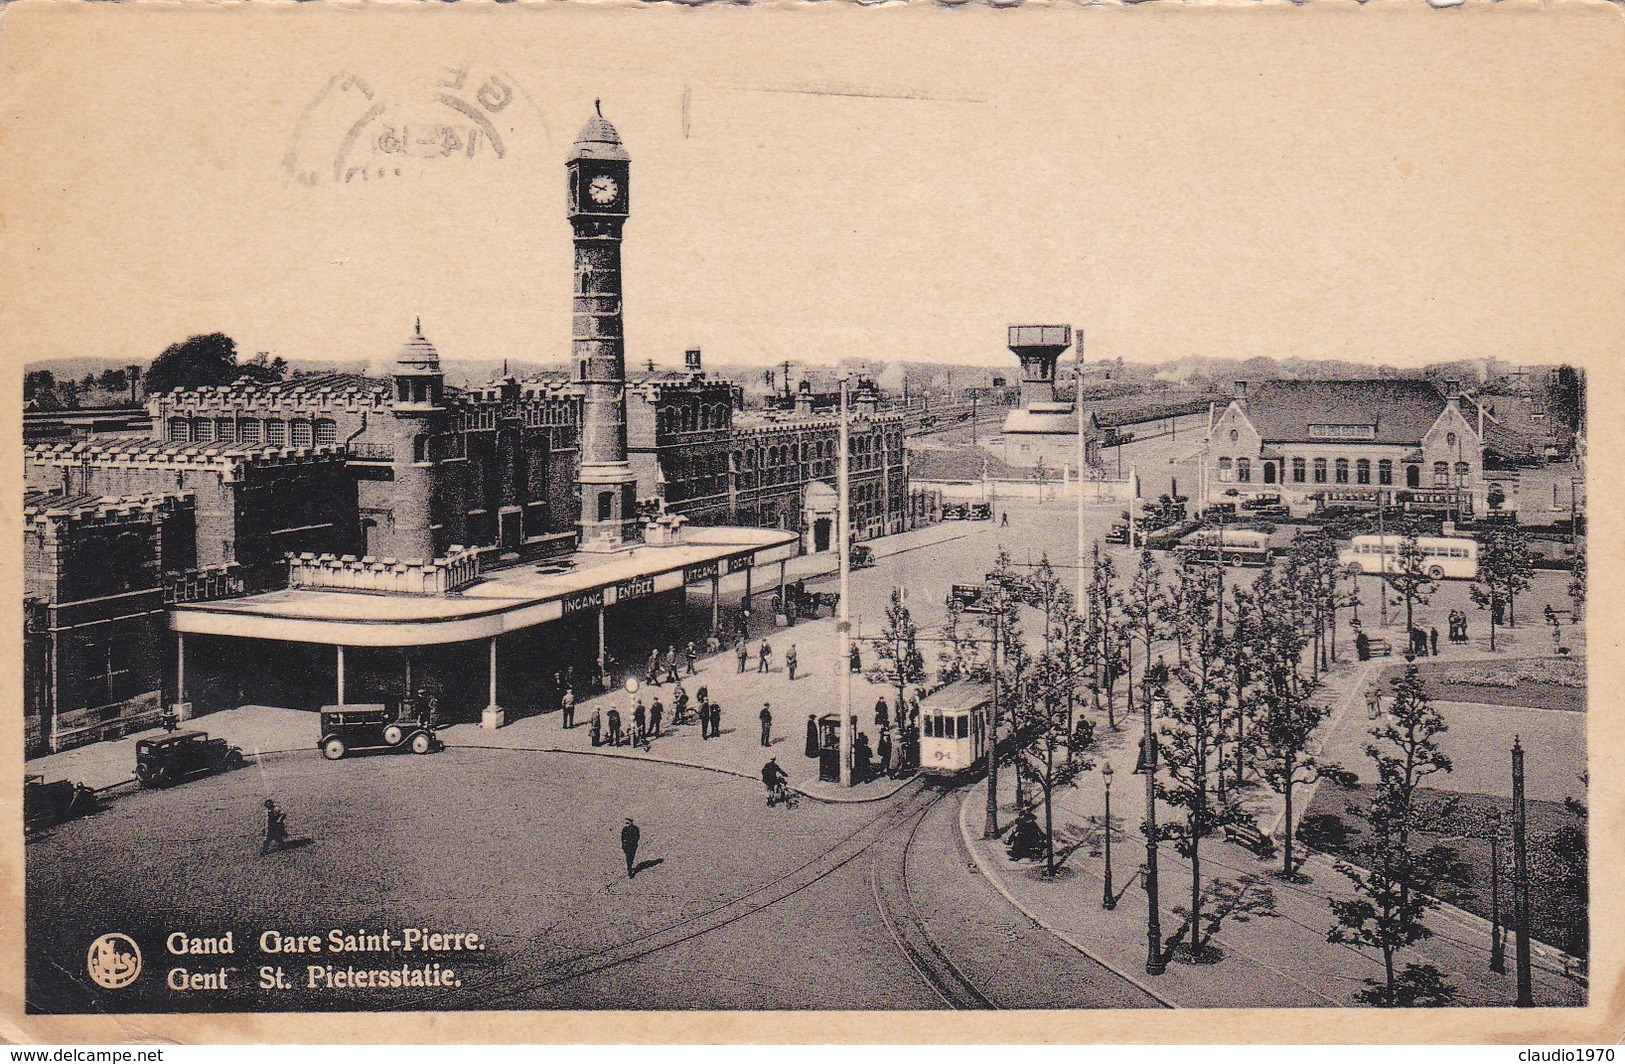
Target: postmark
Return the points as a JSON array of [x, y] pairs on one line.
[[368, 127]]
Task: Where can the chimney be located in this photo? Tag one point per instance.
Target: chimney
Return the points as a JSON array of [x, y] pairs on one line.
[[1452, 390], [804, 399], [1241, 389], [691, 360]]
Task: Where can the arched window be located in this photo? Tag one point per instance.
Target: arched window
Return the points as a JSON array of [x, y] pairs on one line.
[[1300, 470], [327, 432], [1362, 471], [1385, 472], [606, 505], [1441, 474], [1342, 471], [1462, 471], [225, 430], [420, 447], [299, 433], [248, 431], [1244, 470], [276, 432], [202, 430], [1234, 435], [1224, 469], [1450, 439], [1320, 471]]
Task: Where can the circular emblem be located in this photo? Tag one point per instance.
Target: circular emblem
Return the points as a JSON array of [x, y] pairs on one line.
[[631, 685], [114, 961]]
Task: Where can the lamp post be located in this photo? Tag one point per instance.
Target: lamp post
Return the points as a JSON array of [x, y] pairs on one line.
[[1154, 963], [1498, 951], [1108, 897], [1520, 879]]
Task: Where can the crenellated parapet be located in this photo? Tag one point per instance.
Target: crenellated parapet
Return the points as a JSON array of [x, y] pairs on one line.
[[457, 569], [230, 461]]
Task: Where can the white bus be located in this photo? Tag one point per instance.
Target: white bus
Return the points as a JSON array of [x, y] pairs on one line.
[[1445, 558]]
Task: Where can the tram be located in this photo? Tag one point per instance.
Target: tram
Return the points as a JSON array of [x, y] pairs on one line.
[[953, 729]]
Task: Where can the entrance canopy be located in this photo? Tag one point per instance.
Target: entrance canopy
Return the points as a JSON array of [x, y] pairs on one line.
[[500, 601]]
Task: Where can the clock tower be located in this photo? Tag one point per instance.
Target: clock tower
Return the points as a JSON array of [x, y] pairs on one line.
[[598, 171]]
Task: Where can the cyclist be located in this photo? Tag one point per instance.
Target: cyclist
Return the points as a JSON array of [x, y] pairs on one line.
[[775, 780]]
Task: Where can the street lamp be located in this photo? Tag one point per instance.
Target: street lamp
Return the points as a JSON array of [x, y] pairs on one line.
[[844, 536], [1108, 897]]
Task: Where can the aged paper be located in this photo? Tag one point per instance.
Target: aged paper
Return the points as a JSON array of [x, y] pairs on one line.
[[542, 319]]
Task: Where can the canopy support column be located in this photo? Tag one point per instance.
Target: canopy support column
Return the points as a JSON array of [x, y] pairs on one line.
[[493, 717]]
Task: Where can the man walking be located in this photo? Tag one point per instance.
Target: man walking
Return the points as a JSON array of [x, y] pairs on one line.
[[656, 711], [766, 717], [790, 661], [764, 658], [567, 707], [673, 675], [716, 720], [652, 673], [597, 732], [691, 655], [615, 727], [1433, 639], [629, 846], [276, 829], [705, 719], [741, 653], [640, 723]]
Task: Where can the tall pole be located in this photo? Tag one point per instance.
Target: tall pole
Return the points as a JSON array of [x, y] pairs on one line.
[[844, 537], [1077, 404], [1108, 896], [1520, 878], [1382, 540], [990, 826], [1154, 964], [1498, 953]]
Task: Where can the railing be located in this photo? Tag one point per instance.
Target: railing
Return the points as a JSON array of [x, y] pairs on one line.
[[372, 452], [199, 585]]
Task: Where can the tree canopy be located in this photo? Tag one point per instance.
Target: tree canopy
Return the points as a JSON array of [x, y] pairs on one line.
[[194, 363]]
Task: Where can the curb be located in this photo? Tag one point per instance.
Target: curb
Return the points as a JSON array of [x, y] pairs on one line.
[[683, 764], [991, 877]]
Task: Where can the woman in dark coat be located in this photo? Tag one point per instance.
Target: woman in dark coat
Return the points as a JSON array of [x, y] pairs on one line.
[[812, 736]]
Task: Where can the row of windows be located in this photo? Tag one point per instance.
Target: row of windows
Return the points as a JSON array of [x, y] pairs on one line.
[[323, 432], [1430, 552], [1241, 471], [690, 419]]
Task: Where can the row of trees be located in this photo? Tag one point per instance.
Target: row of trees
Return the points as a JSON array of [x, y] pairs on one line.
[[198, 361]]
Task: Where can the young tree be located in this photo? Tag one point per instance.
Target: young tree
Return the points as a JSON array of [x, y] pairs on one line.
[[1504, 569], [897, 660], [1410, 577], [1045, 744], [114, 380], [1194, 693], [39, 387], [1101, 632], [1577, 583], [1144, 608], [1394, 880]]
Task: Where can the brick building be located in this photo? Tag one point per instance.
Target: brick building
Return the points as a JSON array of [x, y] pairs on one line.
[[1344, 441]]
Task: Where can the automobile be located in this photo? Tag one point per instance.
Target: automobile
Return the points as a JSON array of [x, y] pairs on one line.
[[981, 511], [377, 726], [971, 598], [179, 756], [1260, 501], [52, 803], [1118, 533], [861, 557], [954, 512]]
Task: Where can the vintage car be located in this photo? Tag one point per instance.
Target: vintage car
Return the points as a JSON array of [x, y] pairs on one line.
[[375, 726], [180, 756], [980, 511], [861, 557], [52, 803], [955, 512]]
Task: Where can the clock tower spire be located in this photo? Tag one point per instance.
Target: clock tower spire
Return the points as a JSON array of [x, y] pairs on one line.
[[598, 170]]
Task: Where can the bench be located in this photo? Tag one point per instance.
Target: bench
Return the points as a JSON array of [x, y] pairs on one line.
[[1247, 835], [1381, 648]]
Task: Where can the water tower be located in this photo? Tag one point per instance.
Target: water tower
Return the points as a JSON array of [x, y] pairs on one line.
[[1039, 347]]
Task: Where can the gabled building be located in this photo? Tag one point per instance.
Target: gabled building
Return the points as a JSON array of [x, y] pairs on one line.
[[1341, 442]]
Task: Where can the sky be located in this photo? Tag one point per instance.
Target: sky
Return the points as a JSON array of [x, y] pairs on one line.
[[1383, 184]]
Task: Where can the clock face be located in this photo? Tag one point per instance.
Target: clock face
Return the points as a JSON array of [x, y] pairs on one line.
[[603, 190]]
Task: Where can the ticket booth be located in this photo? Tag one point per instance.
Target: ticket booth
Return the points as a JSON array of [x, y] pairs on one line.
[[829, 748]]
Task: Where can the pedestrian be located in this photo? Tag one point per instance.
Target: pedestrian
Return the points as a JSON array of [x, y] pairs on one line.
[[567, 707], [764, 658], [597, 733], [170, 718], [276, 829], [713, 643], [656, 711], [863, 754], [741, 653], [899, 754], [1464, 636], [652, 672], [882, 713], [673, 675], [855, 659], [775, 780], [1433, 639], [812, 735], [640, 723], [766, 717], [703, 695], [883, 750], [1004, 519], [716, 720], [614, 727], [790, 661], [629, 846], [679, 706], [691, 655], [705, 719]]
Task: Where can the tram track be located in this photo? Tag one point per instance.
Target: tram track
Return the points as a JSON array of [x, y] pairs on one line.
[[501, 990]]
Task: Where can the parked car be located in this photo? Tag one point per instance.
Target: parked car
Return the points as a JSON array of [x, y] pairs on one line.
[[180, 756], [52, 803], [861, 556], [375, 726], [981, 511], [971, 598], [954, 512]]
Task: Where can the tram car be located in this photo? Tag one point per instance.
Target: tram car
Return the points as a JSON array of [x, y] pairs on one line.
[[374, 726], [953, 729]]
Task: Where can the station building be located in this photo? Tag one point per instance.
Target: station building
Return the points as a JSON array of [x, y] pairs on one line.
[[1348, 443]]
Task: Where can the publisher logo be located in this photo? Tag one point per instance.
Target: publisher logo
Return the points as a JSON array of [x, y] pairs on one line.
[[114, 961]]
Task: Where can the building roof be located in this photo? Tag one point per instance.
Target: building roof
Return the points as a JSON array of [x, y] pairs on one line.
[[598, 140], [1400, 411], [40, 507], [418, 358], [1059, 420]]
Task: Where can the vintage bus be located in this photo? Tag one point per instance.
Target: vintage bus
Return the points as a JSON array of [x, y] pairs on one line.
[[1444, 557], [1229, 546]]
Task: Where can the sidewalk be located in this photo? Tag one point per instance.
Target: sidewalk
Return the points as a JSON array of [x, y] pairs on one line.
[[1272, 954], [738, 749]]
